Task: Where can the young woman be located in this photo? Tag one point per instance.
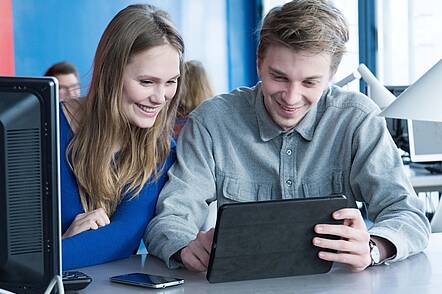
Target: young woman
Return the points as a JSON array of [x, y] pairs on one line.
[[116, 142]]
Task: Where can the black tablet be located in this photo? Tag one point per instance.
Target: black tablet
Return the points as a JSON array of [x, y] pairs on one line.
[[269, 239]]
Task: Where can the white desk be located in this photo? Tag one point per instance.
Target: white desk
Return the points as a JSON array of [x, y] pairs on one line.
[[421, 273], [423, 181]]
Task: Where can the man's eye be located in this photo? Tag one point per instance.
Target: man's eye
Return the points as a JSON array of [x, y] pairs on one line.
[[310, 83], [280, 78]]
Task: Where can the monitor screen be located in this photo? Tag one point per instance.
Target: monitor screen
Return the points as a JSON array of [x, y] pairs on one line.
[[29, 184], [425, 140]]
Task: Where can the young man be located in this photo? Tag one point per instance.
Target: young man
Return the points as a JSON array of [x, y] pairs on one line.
[[68, 80], [292, 136]]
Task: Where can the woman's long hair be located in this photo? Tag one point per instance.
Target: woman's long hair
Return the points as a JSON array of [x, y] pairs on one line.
[[104, 177]]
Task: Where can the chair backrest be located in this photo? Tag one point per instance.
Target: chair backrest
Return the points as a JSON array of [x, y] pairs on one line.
[[436, 221]]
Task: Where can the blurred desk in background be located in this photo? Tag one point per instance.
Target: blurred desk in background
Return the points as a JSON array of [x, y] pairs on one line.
[[424, 181]]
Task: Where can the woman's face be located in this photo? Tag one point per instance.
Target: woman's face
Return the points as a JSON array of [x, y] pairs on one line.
[[149, 83]]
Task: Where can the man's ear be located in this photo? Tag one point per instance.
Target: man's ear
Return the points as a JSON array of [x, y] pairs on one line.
[[258, 66], [332, 76]]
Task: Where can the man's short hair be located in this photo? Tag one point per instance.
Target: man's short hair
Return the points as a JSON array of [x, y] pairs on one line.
[[315, 26], [62, 68]]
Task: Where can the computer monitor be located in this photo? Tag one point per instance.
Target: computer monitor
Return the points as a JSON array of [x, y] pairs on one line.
[[425, 140], [30, 255]]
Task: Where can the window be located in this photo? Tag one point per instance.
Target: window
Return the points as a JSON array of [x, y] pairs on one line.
[[410, 39]]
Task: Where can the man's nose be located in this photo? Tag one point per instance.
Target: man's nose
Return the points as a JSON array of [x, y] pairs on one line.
[[293, 93]]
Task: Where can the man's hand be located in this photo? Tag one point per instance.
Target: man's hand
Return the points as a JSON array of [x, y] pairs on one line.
[[353, 248], [87, 221], [195, 256]]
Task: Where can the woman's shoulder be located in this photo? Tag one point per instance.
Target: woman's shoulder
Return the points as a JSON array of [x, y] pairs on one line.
[[72, 110]]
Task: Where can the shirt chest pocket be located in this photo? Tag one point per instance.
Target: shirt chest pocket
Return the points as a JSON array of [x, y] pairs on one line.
[[233, 189], [323, 185]]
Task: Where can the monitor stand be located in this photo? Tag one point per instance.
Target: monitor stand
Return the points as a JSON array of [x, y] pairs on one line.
[[56, 282], [435, 168]]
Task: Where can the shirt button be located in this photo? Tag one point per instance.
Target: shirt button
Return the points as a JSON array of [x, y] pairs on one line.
[[288, 182], [289, 152]]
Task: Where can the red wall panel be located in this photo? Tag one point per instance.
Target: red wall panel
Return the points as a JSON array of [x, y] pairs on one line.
[[6, 38]]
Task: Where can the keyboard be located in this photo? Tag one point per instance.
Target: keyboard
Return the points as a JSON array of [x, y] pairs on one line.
[[75, 280], [434, 167]]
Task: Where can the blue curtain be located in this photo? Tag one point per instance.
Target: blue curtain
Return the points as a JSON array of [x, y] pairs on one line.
[[243, 19]]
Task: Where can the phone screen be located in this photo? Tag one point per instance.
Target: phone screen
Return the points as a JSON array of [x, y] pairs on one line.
[[145, 280]]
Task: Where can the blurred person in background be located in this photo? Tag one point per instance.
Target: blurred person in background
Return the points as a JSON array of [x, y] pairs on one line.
[[68, 79], [196, 89]]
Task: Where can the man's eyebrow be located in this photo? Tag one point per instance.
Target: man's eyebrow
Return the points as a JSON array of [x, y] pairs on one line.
[[317, 77], [276, 71], [280, 73]]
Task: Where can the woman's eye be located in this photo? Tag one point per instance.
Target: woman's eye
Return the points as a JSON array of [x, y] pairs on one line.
[[145, 82], [172, 82]]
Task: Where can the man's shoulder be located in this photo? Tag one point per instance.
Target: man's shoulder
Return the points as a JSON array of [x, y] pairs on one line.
[[240, 99], [349, 100]]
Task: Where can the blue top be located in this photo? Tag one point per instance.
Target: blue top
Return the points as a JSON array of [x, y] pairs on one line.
[[122, 236]]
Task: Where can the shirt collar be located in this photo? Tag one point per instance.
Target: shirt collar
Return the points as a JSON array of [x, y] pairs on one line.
[[269, 130]]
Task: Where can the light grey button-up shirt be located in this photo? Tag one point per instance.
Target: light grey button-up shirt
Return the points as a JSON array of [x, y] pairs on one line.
[[231, 150]]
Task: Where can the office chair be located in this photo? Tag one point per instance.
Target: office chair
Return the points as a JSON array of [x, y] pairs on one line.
[[436, 221]]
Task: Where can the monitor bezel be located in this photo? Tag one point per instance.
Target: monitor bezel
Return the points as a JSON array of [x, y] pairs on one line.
[[46, 90]]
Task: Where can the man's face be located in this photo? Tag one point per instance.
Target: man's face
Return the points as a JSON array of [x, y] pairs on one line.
[[69, 86], [292, 83]]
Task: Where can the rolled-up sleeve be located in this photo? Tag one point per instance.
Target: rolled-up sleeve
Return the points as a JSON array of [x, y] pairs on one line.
[[378, 178]]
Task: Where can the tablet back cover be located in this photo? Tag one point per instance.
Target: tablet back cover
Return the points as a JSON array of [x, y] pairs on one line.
[[269, 239]]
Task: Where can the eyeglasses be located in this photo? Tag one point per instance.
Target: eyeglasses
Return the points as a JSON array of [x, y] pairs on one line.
[[69, 88]]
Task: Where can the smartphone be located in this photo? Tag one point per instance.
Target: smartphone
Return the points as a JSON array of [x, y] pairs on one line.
[[146, 280]]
